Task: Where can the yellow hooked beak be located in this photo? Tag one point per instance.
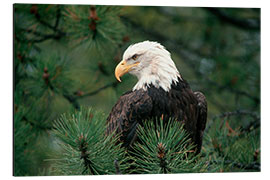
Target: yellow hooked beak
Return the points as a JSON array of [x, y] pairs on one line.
[[123, 68]]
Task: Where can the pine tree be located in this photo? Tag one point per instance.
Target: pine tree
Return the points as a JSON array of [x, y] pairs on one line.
[[47, 82], [64, 59]]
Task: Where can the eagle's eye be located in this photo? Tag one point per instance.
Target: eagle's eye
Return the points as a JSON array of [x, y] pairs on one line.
[[134, 57]]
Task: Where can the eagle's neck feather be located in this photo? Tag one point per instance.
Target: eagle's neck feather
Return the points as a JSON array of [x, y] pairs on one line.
[[161, 73]]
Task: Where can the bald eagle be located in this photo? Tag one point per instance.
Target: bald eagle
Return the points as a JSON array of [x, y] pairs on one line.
[[161, 92]]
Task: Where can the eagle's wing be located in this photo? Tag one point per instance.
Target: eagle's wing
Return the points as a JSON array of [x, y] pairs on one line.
[[202, 118], [123, 119]]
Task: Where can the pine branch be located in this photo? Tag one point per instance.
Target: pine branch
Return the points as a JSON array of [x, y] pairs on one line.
[[70, 98], [236, 91], [34, 32], [41, 37], [164, 148], [37, 125], [44, 23], [85, 156], [161, 154], [45, 38], [73, 100], [255, 123], [81, 137], [251, 166], [112, 84], [58, 15], [237, 113], [237, 22]]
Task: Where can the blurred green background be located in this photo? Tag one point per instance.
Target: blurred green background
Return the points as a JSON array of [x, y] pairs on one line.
[[65, 55]]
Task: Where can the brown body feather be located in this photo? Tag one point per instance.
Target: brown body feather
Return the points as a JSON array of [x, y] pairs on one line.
[[180, 103]]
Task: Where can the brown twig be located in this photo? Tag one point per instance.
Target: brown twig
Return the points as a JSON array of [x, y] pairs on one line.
[[113, 84], [73, 99]]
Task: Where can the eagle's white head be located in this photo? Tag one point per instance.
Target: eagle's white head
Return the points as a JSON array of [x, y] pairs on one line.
[[151, 63]]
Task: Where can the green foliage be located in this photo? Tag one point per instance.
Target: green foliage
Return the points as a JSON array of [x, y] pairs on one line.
[[28, 133], [84, 147], [228, 150], [96, 27], [164, 148], [51, 73], [21, 154]]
